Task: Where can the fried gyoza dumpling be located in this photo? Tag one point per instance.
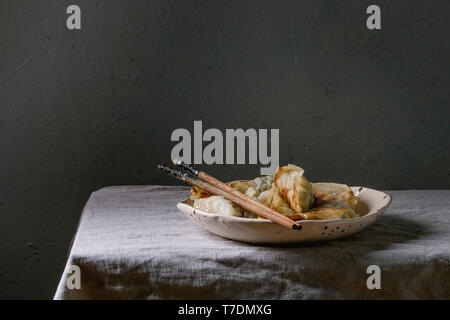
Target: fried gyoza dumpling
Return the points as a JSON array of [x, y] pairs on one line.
[[198, 193], [294, 187], [321, 213], [253, 188], [336, 209], [273, 199], [218, 204], [326, 191], [341, 204]]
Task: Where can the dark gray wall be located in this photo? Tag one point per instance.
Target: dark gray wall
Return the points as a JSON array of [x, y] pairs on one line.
[[80, 110]]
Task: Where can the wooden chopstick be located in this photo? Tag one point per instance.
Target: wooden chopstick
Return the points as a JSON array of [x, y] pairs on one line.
[[215, 186]]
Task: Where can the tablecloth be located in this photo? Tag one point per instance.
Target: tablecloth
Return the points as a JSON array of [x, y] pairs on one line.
[[133, 243]]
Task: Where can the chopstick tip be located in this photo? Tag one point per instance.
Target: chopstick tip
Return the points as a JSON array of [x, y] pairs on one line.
[[297, 227]]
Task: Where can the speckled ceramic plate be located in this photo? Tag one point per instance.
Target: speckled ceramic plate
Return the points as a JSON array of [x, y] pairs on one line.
[[372, 204]]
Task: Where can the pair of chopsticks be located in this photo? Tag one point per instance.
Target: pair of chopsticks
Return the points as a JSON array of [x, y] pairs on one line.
[[217, 187]]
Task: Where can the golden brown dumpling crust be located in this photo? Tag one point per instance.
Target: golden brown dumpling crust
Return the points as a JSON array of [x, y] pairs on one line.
[[198, 193], [294, 187], [336, 209], [322, 213]]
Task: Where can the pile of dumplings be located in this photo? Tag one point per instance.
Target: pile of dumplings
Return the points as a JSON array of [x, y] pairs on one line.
[[289, 193]]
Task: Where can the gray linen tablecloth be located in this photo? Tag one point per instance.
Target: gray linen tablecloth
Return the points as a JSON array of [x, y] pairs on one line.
[[133, 243]]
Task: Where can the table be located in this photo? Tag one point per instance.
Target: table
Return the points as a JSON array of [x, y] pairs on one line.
[[133, 243]]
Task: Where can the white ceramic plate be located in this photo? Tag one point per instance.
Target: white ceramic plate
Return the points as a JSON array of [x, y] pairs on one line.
[[372, 204]]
